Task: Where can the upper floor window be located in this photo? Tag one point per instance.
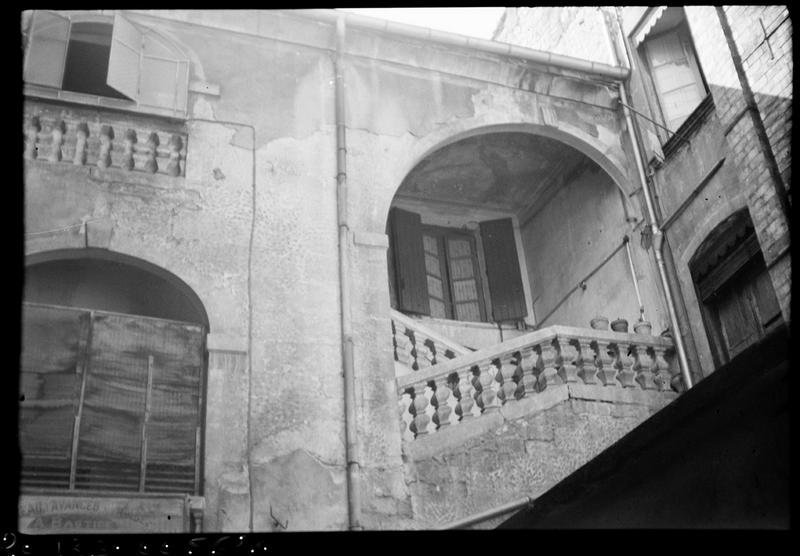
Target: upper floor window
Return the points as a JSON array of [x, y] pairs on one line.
[[665, 45], [105, 57]]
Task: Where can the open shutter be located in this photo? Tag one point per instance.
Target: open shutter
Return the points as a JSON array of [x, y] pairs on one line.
[[502, 269], [124, 59], [47, 49], [409, 261], [165, 76]]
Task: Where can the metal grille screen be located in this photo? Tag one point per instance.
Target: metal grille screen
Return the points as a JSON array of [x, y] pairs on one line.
[[110, 402]]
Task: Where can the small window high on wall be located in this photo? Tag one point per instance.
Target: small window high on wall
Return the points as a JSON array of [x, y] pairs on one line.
[[105, 57], [665, 46], [738, 301], [454, 273]]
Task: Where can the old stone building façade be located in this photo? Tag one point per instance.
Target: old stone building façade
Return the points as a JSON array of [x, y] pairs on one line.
[[305, 270]]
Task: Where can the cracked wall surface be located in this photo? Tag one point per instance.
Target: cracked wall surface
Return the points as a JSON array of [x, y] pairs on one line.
[[252, 229]]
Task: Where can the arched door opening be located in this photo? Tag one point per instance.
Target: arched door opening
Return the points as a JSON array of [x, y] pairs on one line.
[[737, 300], [112, 377], [491, 232]]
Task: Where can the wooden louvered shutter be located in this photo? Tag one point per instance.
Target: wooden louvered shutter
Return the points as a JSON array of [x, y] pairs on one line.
[[54, 343], [140, 421], [47, 49], [124, 64], [502, 269], [409, 261]]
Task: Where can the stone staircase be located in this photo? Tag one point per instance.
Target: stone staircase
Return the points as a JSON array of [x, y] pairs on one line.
[[482, 428]]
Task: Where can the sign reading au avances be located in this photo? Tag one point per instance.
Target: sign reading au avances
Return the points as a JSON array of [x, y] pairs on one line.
[[93, 514]]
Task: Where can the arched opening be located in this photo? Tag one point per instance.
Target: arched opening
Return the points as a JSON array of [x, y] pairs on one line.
[[737, 300], [112, 376], [507, 230]]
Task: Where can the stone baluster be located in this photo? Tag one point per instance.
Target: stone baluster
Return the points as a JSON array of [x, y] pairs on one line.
[[506, 374], [675, 370], [489, 388], [419, 403], [106, 138], [404, 349], [549, 375], [174, 164], [32, 137], [660, 368], [402, 410], [81, 139], [128, 161], [606, 363], [465, 399], [422, 352], [57, 144], [624, 364], [642, 367], [566, 359], [151, 166], [529, 367], [441, 397], [587, 366]]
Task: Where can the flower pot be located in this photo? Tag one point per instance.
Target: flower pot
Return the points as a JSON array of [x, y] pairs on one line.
[[619, 325], [599, 323], [643, 327]]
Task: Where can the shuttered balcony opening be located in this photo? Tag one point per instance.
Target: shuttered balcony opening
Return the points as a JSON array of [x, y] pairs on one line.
[[110, 402]]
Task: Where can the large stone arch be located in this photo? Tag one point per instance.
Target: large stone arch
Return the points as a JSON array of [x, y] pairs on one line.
[[459, 130], [179, 286]]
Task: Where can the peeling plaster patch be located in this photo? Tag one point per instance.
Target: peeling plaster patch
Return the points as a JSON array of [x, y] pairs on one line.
[[202, 109], [300, 490]]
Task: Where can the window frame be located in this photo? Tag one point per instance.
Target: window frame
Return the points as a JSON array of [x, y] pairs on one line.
[[180, 95], [84, 373], [684, 35], [442, 233]]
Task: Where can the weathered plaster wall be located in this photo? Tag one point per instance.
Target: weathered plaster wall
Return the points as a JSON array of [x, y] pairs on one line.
[[581, 225], [520, 450], [252, 229]]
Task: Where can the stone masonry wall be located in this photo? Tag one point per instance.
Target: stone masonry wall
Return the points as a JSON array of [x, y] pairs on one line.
[[576, 31], [521, 450], [751, 157]]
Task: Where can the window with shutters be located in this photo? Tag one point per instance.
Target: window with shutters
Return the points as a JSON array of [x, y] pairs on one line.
[[738, 301], [109, 402], [104, 58], [440, 272], [666, 48]]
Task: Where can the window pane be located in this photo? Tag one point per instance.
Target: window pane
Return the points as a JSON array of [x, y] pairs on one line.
[[432, 266], [462, 268], [430, 244], [464, 290], [435, 288], [468, 311], [459, 247], [437, 309]]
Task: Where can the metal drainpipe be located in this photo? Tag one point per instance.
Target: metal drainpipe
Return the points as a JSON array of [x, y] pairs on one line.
[[658, 234], [351, 436]]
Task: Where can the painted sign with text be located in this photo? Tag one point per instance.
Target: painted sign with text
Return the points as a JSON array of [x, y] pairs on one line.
[[94, 514]]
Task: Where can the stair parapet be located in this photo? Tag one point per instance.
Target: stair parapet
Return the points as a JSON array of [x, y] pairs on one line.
[[417, 347], [480, 383]]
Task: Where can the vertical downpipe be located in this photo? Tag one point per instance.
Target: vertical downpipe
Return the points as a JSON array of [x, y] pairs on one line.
[[351, 441], [658, 234]]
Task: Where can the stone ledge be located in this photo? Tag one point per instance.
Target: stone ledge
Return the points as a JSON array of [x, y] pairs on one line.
[[371, 239]]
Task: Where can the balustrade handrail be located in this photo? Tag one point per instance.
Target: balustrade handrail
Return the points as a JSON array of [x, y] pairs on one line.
[[442, 370], [415, 325]]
